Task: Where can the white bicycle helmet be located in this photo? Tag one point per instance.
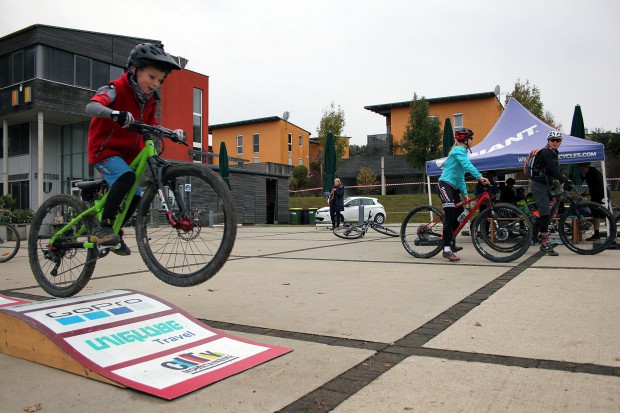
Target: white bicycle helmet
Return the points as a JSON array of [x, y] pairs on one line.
[[554, 134]]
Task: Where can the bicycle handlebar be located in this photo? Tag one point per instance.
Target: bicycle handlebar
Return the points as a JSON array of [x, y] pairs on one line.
[[145, 129]]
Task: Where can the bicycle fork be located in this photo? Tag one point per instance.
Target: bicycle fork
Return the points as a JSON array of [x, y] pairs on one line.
[[183, 223]]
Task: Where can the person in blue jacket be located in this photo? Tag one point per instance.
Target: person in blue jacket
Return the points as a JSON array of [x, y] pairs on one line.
[[452, 185]]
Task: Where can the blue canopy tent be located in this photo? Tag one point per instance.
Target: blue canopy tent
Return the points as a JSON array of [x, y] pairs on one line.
[[512, 138]]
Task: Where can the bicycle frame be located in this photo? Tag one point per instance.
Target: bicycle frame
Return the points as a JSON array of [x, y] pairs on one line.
[[147, 156], [485, 196]]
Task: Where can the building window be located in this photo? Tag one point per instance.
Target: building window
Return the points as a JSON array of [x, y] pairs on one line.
[[458, 120], [102, 73], [290, 143], [301, 141], [197, 124], [83, 71], [290, 160], [20, 191], [239, 145], [256, 139], [19, 139], [72, 69], [255, 159], [58, 65], [74, 153], [301, 161], [17, 67]]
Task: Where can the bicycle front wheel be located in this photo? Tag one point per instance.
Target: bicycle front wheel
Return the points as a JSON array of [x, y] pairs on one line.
[[64, 267], [502, 234], [190, 251], [384, 230], [577, 225], [422, 232], [348, 232], [9, 242]]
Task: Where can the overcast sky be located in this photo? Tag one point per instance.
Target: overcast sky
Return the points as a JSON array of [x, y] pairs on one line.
[[265, 57]]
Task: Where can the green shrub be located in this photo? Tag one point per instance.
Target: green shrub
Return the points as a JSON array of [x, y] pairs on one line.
[[8, 202], [22, 216]]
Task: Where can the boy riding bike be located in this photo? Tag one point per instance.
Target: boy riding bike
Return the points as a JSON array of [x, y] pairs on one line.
[[111, 146]]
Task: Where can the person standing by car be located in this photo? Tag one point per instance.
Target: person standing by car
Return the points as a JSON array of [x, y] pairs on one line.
[[452, 185], [336, 202], [596, 190], [546, 170]]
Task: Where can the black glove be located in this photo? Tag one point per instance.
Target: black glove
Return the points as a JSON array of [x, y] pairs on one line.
[[122, 118], [568, 186]]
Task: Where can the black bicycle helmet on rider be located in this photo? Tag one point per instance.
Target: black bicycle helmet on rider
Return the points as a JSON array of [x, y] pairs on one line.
[[463, 134], [152, 54]]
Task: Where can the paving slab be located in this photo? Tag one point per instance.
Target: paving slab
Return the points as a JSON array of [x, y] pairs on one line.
[[545, 314], [421, 384]]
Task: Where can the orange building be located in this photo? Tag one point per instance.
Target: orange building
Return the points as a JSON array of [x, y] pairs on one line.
[[263, 140], [478, 112]]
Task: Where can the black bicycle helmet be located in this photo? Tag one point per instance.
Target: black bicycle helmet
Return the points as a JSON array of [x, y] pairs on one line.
[[463, 134], [149, 54]]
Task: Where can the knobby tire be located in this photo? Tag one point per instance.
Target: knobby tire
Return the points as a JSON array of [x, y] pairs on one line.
[[190, 256]]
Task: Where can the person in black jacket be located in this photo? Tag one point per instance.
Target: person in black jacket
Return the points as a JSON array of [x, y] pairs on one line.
[[546, 171], [336, 202], [596, 190]]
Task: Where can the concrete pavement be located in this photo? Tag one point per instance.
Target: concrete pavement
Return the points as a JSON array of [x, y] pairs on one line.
[[372, 328]]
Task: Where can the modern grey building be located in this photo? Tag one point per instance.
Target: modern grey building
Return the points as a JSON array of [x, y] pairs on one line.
[[48, 74]]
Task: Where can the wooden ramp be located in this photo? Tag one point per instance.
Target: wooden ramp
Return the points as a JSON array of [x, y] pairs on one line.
[[19, 339], [128, 339]]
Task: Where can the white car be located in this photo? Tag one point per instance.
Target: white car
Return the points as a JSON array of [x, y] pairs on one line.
[[351, 211]]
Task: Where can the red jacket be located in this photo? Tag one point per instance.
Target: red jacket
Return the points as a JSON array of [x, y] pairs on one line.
[[107, 138]]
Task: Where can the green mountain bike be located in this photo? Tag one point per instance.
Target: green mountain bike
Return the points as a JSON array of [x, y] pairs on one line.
[[178, 248]]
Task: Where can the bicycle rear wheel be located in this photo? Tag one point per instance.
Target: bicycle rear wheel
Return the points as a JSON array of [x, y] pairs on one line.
[[502, 234], [61, 268], [348, 231], [9, 242], [196, 249], [384, 230], [422, 232], [576, 228]]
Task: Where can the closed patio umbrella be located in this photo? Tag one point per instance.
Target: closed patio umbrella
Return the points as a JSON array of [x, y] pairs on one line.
[[329, 163], [224, 170], [577, 130], [448, 137]]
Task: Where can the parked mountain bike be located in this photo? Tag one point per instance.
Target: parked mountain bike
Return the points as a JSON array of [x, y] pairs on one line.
[[573, 220], [9, 241], [350, 231], [501, 232], [177, 248]]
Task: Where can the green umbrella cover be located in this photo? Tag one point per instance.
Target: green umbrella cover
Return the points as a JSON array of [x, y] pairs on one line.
[[224, 170], [577, 130], [448, 137], [330, 162]]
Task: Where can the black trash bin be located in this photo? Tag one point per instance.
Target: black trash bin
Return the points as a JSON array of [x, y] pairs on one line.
[[305, 216]]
